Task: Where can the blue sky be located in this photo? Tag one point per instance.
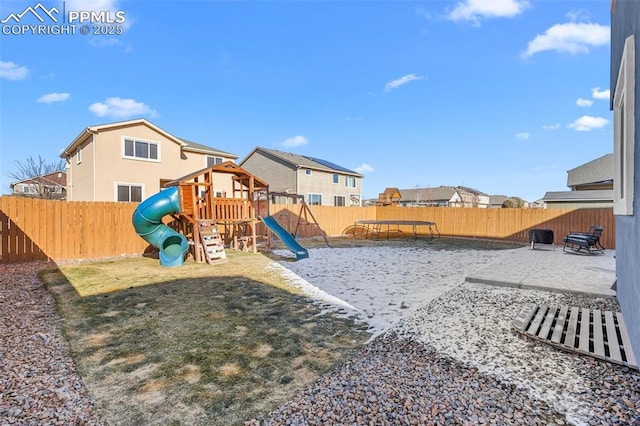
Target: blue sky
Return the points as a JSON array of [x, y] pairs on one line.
[[501, 95]]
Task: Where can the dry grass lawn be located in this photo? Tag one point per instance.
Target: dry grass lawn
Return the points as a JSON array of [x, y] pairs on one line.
[[199, 344]]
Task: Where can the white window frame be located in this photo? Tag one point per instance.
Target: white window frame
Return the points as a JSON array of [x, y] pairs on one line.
[[348, 179], [314, 194], [335, 178], [133, 157], [308, 172], [214, 157], [624, 132], [344, 201], [129, 184], [79, 155]]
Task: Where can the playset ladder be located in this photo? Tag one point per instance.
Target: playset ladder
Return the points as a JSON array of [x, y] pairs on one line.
[[211, 240]]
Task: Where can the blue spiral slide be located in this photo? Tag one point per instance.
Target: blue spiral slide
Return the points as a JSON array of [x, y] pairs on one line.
[[147, 221]]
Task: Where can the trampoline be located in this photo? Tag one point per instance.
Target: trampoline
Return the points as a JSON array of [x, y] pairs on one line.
[[373, 228]]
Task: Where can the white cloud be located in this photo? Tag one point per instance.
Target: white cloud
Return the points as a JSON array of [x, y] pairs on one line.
[[294, 141], [364, 168], [596, 93], [121, 108], [570, 38], [584, 102], [586, 123], [523, 136], [578, 15], [12, 71], [474, 10], [551, 126], [394, 84], [50, 98]]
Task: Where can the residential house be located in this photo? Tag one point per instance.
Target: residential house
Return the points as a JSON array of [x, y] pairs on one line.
[[591, 186], [50, 186], [390, 197], [496, 201], [321, 182], [625, 97], [480, 199], [443, 196], [132, 160]]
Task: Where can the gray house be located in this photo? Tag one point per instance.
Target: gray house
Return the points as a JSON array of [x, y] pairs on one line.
[[591, 186], [321, 182], [625, 97]]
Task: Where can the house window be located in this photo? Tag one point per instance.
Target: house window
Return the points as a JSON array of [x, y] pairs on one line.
[[78, 155], [339, 201], [26, 189], [141, 150], [307, 172], [336, 178], [127, 192], [624, 132], [350, 181], [315, 199], [212, 161]]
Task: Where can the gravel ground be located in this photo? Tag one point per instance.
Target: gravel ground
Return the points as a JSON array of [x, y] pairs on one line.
[[457, 361], [400, 381], [39, 384]]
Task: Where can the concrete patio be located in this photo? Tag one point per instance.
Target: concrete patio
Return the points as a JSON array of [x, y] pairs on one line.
[[544, 268]]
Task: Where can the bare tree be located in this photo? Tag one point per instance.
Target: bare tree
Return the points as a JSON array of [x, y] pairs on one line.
[[34, 173]]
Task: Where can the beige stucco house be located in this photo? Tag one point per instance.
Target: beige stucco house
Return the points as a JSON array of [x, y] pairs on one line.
[[132, 160], [320, 182]]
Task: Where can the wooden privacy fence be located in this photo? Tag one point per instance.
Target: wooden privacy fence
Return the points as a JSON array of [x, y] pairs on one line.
[[509, 224], [33, 229]]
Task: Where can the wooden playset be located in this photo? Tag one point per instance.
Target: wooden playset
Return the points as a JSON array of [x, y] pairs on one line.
[[210, 223]]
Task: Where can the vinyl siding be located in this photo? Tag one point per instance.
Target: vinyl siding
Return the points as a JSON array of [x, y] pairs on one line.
[[280, 175], [322, 183]]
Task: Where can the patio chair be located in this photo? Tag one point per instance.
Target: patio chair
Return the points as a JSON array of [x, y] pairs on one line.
[[589, 241]]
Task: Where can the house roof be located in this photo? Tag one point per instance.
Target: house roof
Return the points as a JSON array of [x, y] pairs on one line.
[[471, 190], [303, 161], [196, 147], [54, 178], [185, 144], [391, 192], [594, 195], [495, 200], [595, 171], [441, 193]]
